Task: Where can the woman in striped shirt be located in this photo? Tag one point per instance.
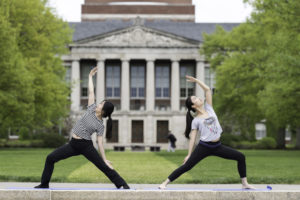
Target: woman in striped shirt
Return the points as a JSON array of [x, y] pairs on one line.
[[81, 143]]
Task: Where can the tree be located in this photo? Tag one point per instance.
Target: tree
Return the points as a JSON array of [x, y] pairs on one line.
[[16, 94], [39, 39], [257, 66]]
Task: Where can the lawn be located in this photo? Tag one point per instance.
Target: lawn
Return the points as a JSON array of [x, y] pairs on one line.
[[263, 167]]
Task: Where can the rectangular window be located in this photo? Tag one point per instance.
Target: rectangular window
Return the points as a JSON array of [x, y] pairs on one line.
[[68, 76], [137, 79], [68, 67], [137, 84], [137, 130], [162, 80], [162, 129], [113, 79], [187, 88], [209, 77], [85, 67]]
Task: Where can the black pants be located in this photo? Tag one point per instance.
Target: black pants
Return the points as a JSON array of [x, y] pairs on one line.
[[76, 147], [201, 151]]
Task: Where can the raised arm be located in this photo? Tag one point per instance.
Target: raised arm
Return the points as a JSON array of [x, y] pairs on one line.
[[91, 86], [206, 89]]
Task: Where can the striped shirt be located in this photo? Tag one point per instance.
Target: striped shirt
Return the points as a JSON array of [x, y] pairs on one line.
[[89, 124]]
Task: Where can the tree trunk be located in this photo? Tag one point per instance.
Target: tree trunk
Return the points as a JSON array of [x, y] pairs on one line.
[[298, 138], [280, 138]]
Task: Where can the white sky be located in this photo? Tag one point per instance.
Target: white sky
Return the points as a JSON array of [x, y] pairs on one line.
[[206, 10]]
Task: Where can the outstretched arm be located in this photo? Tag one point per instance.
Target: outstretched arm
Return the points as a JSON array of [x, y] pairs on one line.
[[206, 89], [91, 99], [102, 152], [191, 144]]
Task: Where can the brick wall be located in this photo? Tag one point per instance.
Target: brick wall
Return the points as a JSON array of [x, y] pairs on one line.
[[163, 1], [141, 9]]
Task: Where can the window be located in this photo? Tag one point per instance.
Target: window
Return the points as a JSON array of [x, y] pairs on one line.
[[162, 80], [137, 80], [85, 67], [137, 85], [137, 130], [162, 85], [162, 129], [260, 131], [68, 72], [113, 79], [187, 88], [68, 76], [209, 77]]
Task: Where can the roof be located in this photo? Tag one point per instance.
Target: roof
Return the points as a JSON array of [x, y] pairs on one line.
[[188, 30]]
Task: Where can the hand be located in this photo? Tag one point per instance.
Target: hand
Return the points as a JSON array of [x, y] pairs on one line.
[[185, 159], [109, 164], [191, 79], [93, 71]]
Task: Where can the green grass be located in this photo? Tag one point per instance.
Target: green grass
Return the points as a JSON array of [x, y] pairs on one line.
[[263, 166]]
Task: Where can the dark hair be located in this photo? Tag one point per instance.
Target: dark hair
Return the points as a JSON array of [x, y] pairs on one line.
[[189, 117], [107, 109]]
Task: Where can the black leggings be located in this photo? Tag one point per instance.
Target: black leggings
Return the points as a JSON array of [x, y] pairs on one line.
[[202, 151], [76, 147]]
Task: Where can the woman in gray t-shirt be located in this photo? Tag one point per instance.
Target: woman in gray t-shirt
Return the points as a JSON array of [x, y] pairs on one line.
[[205, 122]]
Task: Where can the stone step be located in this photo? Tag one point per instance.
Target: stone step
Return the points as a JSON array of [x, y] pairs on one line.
[[146, 194]]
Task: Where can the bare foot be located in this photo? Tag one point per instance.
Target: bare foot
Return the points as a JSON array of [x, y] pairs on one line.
[[162, 186], [247, 186]]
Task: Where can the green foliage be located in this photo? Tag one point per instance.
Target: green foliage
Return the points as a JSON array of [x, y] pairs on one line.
[[52, 140], [21, 143], [230, 139], [33, 92], [15, 81], [266, 143], [257, 67], [24, 133]]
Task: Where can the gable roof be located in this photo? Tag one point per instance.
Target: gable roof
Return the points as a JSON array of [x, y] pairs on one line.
[[189, 30]]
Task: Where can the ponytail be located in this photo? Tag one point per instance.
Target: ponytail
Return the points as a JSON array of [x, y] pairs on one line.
[[108, 109], [189, 119], [109, 127]]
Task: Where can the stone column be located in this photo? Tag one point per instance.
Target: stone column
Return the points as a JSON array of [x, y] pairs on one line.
[[175, 81], [150, 86], [75, 77], [200, 74], [125, 95], [100, 87]]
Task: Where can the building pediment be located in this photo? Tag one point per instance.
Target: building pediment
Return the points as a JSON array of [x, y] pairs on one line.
[[138, 36]]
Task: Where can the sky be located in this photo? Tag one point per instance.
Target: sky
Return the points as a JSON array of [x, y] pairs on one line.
[[206, 10]]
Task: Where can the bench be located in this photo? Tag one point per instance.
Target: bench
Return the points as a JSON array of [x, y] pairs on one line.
[[153, 148], [119, 148]]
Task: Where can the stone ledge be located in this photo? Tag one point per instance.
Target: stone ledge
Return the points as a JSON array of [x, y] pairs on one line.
[[144, 194]]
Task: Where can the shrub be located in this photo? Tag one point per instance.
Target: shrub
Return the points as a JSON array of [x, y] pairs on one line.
[[266, 143], [53, 140], [21, 143], [24, 133], [245, 145], [17, 143], [230, 140]]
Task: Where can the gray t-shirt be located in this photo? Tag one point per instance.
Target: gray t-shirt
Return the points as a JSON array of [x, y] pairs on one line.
[[209, 128], [89, 124]]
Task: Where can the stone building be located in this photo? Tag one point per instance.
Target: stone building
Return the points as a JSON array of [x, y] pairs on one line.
[[143, 50]]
